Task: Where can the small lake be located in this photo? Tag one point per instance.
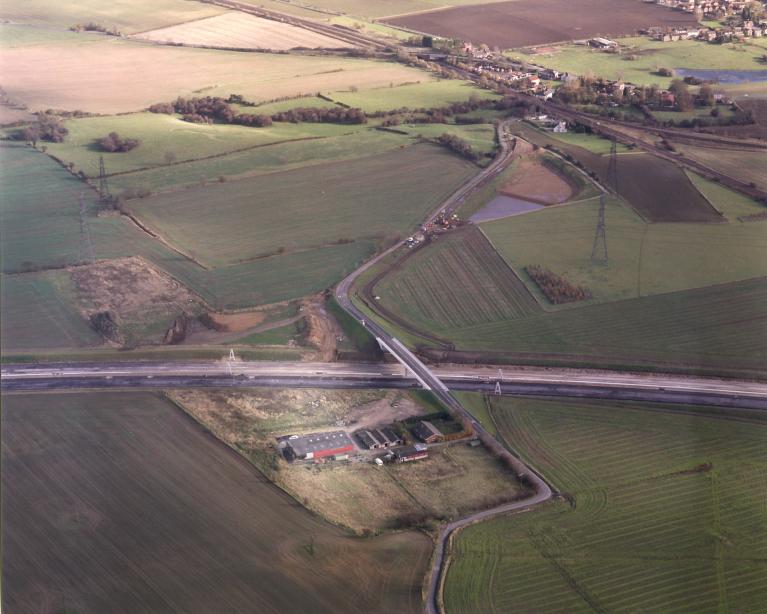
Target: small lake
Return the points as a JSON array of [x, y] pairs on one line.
[[733, 77], [504, 206]]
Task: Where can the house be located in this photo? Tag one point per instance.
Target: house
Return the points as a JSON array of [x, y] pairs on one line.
[[560, 127], [318, 445], [366, 439], [427, 432], [408, 454]]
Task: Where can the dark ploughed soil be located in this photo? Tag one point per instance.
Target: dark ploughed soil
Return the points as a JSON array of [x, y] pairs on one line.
[[534, 22], [119, 502]]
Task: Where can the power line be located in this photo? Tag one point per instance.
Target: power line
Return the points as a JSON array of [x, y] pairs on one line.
[[599, 248], [103, 185], [86, 253]]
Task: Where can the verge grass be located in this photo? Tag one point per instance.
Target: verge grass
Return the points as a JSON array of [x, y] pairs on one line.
[[663, 509]]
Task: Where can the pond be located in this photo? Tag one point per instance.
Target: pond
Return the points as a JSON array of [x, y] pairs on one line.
[[504, 206], [733, 77]]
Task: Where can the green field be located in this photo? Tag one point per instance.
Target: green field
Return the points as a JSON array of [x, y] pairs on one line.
[[127, 16], [650, 56], [426, 95], [453, 290], [39, 311], [744, 165], [168, 135], [481, 137], [370, 198], [40, 210], [259, 160], [591, 142], [644, 259], [457, 282], [664, 512]]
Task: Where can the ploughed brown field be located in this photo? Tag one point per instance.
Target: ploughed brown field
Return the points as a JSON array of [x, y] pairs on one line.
[[539, 182], [119, 502], [535, 22]]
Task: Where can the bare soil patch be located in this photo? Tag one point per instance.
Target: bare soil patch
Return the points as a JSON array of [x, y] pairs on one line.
[[237, 30], [524, 23], [539, 182], [143, 301], [237, 322], [323, 331]]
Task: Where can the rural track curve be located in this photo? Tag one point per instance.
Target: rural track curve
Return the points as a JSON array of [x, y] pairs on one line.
[[541, 490]]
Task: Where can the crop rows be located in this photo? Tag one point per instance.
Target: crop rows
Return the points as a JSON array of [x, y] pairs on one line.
[[663, 512], [721, 325], [459, 282]]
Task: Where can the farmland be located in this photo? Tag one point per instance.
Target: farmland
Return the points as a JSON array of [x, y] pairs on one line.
[[481, 137], [353, 142], [647, 57], [109, 480], [663, 510], [419, 95], [242, 31], [367, 8], [350, 494], [163, 135], [519, 24], [720, 327], [108, 75], [40, 311], [670, 197], [235, 221], [458, 282], [644, 259], [126, 16], [747, 166], [29, 195]]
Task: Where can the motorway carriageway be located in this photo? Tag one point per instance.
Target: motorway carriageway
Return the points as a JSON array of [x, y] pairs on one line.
[[513, 380]]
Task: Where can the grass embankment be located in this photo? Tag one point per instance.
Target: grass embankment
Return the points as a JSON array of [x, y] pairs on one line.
[[664, 510], [648, 56], [103, 478]]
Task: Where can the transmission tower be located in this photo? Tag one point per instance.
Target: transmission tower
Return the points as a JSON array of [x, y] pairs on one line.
[[103, 185], [86, 253], [599, 249]]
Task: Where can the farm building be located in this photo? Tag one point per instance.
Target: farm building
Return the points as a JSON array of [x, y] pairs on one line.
[[373, 439], [319, 445], [427, 432], [408, 454]]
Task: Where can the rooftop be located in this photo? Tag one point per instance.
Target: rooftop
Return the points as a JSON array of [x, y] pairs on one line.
[[314, 442]]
